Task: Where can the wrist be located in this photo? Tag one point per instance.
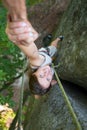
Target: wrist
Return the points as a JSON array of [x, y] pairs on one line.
[[17, 15], [16, 9]]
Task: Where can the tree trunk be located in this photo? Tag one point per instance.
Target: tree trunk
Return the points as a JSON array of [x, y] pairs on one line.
[[51, 112]]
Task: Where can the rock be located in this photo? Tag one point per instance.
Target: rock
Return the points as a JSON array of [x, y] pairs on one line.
[[52, 113], [73, 50]]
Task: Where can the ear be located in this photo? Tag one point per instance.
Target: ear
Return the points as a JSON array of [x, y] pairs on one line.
[[53, 82], [37, 96]]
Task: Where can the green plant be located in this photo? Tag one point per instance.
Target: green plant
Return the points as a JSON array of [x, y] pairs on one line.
[[11, 60], [33, 2]]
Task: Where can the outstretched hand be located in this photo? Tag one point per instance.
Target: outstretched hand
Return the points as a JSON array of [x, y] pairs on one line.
[[21, 32]]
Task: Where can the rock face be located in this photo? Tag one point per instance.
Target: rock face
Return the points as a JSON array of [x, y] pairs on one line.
[[73, 50], [46, 16], [51, 111]]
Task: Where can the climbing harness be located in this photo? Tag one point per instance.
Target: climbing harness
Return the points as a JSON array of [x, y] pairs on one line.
[[67, 100]]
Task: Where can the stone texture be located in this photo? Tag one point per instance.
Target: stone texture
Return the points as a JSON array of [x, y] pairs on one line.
[[52, 113], [73, 50]]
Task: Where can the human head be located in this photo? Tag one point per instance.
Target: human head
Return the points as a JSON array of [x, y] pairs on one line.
[[40, 81]]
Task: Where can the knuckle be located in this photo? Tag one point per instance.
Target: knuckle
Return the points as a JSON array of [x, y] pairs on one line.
[[14, 31], [19, 37]]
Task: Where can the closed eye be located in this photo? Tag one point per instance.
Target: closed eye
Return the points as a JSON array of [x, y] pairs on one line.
[[48, 80], [41, 76]]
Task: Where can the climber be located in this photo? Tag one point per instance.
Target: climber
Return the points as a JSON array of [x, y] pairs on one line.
[[39, 60]]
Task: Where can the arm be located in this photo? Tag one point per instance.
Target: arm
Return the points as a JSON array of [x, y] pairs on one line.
[[18, 31], [17, 12], [32, 52], [16, 9]]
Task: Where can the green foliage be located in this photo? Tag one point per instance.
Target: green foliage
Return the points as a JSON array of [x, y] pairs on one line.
[[10, 57], [7, 98], [32, 2], [2, 75]]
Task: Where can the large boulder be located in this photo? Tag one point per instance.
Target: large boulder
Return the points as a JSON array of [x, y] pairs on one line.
[[51, 112], [73, 50]]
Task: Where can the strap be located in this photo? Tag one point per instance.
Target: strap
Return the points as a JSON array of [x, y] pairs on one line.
[[75, 119]]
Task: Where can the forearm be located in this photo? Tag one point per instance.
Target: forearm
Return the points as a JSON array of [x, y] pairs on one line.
[[16, 9], [32, 53], [31, 50]]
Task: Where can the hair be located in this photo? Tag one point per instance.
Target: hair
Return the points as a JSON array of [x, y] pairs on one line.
[[35, 87]]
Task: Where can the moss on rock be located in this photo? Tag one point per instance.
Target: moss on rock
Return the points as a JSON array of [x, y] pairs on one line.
[[73, 50]]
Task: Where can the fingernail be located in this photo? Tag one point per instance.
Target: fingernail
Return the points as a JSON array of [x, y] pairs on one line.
[[23, 24], [30, 34]]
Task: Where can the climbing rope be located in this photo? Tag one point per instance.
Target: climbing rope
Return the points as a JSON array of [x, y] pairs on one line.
[[67, 100], [20, 104], [21, 98]]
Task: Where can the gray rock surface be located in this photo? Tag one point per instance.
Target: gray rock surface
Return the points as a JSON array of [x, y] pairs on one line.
[[73, 50], [52, 113]]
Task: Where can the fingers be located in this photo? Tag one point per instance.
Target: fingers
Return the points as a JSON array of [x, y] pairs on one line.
[[26, 36], [12, 38], [18, 31], [23, 30], [23, 39], [17, 24]]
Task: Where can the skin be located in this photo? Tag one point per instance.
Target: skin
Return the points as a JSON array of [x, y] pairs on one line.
[[16, 9], [16, 33], [16, 13], [19, 31], [44, 75]]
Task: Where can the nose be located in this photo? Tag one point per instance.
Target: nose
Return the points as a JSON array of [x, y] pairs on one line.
[[47, 71], [41, 75]]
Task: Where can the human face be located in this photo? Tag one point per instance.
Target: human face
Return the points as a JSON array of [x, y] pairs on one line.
[[44, 76]]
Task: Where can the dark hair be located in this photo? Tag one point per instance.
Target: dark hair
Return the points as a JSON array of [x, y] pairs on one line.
[[35, 87]]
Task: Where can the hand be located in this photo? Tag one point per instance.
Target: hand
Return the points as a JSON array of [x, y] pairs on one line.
[[21, 32]]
